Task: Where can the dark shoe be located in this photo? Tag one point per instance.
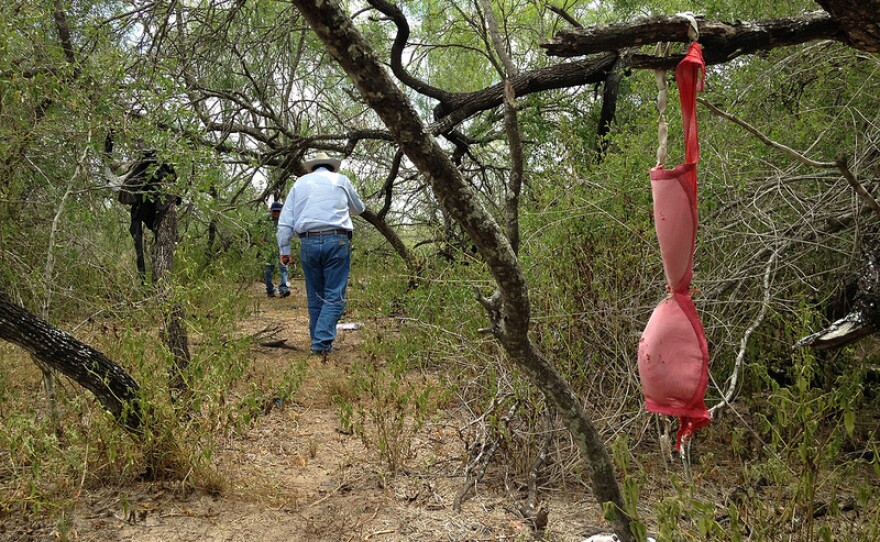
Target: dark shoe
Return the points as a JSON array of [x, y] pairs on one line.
[[325, 354], [270, 294], [285, 293]]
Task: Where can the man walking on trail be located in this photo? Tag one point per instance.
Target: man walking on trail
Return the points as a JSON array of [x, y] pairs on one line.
[[269, 253], [318, 210]]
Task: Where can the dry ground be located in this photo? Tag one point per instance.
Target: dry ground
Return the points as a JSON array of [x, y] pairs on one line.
[[294, 476]]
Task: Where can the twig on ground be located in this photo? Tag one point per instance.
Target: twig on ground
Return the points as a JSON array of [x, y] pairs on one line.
[[280, 343], [267, 333]]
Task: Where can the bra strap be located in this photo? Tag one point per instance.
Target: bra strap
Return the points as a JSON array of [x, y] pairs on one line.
[[690, 74]]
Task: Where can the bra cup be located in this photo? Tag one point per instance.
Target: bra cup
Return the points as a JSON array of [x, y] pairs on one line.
[[671, 363], [675, 224]]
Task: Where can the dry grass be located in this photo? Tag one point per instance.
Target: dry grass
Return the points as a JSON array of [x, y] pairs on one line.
[[292, 475]]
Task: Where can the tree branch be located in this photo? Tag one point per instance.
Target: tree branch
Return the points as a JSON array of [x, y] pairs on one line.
[[379, 222], [721, 41], [397, 48], [743, 344], [840, 164], [114, 388], [860, 189], [511, 129], [766, 140], [564, 14], [64, 35], [388, 188], [565, 75]]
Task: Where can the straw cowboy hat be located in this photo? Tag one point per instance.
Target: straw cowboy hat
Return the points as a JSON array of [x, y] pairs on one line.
[[322, 159]]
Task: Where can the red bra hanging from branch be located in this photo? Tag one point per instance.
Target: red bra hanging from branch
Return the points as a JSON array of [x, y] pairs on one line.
[[673, 354]]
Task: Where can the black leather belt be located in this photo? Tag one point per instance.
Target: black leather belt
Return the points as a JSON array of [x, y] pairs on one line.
[[325, 232]]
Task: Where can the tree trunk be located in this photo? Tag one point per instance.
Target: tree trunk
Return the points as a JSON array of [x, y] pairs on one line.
[[114, 388], [174, 332], [860, 21], [334, 27], [210, 249]]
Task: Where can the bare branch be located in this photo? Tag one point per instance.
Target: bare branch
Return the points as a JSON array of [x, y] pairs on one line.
[[740, 357], [766, 140], [400, 41], [564, 14], [475, 470], [840, 163], [497, 40], [860, 189]]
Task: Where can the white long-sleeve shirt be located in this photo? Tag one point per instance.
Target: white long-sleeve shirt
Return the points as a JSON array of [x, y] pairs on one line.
[[321, 200]]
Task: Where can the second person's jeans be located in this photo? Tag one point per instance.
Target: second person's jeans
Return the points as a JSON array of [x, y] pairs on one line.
[[269, 270], [326, 263]]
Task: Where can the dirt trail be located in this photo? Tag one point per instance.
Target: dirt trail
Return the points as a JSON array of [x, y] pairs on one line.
[[294, 477]]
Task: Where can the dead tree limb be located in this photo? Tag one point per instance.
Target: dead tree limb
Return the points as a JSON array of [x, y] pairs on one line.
[[721, 41], [566, 75], [114, 388]]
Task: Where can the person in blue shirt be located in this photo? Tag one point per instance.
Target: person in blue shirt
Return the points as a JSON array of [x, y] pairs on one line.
[[268, 250], [318, 210]]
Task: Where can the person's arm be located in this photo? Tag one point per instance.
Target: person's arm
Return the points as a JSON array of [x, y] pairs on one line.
[[355, 204]]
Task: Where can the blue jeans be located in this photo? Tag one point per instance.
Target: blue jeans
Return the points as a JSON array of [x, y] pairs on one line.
[[269, 270], [326, 263]]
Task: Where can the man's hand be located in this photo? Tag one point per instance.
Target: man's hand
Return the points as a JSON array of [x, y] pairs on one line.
[[285, 259]]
